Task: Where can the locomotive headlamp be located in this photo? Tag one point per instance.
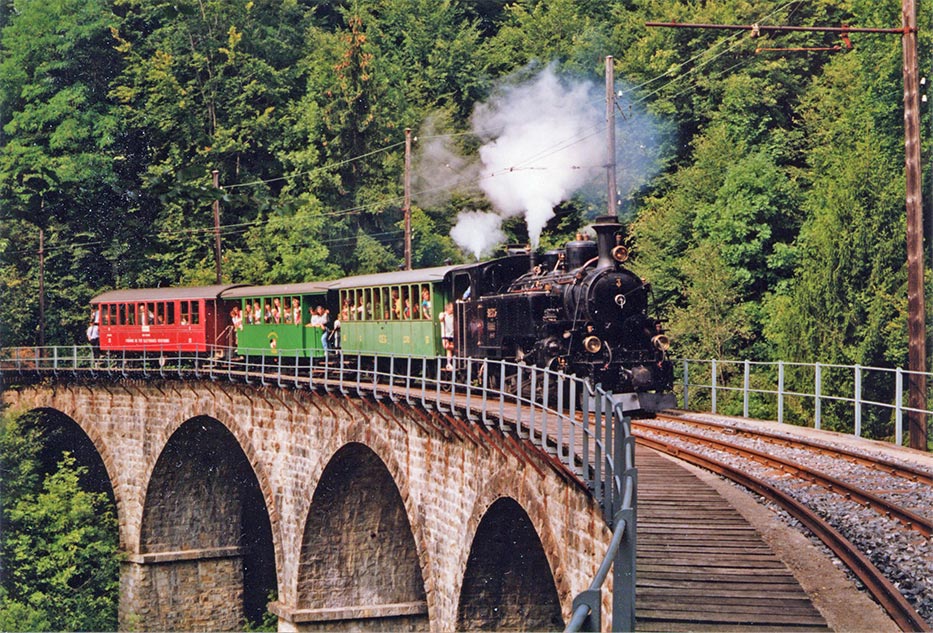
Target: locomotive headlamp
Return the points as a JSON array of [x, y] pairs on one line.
[[620, 253], [592, 344], [661, 342]]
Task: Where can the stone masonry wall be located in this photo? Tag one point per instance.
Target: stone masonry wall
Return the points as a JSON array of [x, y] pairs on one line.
[[448, 473]]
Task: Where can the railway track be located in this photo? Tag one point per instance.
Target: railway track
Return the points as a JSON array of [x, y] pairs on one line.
[[776, 468]]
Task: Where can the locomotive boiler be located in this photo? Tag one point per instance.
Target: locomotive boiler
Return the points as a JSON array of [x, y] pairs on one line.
[[578, 309]]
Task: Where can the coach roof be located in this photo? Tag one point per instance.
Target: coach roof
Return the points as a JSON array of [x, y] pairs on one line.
[[131, 295], [308, 288]]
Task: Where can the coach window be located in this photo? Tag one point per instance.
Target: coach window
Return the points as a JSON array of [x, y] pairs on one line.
[[195, 312], [386, 303], [130, 313]]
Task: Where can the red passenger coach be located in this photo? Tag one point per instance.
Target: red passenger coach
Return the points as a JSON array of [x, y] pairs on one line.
[[164, 319]]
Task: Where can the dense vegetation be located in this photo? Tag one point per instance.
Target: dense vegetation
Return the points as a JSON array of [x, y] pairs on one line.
[[59, 565], [772, 224]]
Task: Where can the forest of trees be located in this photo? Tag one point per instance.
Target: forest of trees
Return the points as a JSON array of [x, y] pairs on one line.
[[771, 222]]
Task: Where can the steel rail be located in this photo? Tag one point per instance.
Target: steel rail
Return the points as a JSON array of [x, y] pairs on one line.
[[887, 595], [882, 506], [898, 470]]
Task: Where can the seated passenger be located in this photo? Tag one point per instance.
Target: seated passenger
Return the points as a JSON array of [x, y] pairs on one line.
[[248, 313], [296, 311], [426, 304]]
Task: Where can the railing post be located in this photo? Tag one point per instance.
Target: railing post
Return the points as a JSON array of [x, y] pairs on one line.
[[560, 416], [858, 401], [817, 392], [712, 383], [623, 571], [780, 395], [746, 381], [469, 390], [502, 425], [592, 599], [899, 406], [686, 384]]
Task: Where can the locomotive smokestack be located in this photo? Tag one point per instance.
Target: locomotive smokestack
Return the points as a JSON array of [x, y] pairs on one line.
[[606, 227]]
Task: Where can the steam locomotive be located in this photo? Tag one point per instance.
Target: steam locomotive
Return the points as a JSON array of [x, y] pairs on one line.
[[578, 309]]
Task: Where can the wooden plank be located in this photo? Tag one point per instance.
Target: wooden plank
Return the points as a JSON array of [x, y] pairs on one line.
[[701, 567]]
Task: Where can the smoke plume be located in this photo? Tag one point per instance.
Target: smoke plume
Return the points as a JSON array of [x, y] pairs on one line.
[[478, 232], [542, 141]]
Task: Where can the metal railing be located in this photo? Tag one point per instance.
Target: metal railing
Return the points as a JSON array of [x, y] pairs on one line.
[[868, 402], [565, 417]]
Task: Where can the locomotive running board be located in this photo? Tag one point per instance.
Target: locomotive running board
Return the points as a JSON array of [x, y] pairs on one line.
[[637, 401]]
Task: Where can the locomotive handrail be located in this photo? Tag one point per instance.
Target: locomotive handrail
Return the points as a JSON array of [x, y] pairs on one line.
[[563, 416], [767, 387]]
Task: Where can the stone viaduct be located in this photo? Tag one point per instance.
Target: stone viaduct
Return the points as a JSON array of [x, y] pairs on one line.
[[328, 511]]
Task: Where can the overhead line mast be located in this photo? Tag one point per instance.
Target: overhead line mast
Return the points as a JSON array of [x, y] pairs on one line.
[[916, 326]]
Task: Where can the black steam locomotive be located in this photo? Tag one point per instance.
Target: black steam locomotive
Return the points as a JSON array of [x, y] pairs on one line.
[[578, 309]]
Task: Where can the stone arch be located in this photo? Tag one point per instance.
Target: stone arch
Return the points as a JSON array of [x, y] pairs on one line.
[[95, 442], [206, 540], [226, 416], [359, 560], [507, 583]]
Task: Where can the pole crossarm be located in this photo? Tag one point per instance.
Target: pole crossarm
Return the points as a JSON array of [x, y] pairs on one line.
[[763, 28]]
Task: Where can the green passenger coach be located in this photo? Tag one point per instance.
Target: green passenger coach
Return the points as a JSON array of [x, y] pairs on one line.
[[276, 320], [393, 313]]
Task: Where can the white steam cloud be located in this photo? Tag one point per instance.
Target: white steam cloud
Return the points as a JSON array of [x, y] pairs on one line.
[[543, 140], [478, 232]]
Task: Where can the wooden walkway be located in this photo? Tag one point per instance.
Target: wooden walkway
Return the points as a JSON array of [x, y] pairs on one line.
[[701, 566]]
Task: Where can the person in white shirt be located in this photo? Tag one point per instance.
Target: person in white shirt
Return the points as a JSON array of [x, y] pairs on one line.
[[447, 333]]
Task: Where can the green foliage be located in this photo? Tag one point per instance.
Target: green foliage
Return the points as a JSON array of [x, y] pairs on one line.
[[713, 323], [851, 268], [58, 546], [57, 169]]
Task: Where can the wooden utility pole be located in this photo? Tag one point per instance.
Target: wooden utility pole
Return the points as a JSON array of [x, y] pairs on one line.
[[406, 206], [216, 175], [916, 312], [41, 287], [611, 137]]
